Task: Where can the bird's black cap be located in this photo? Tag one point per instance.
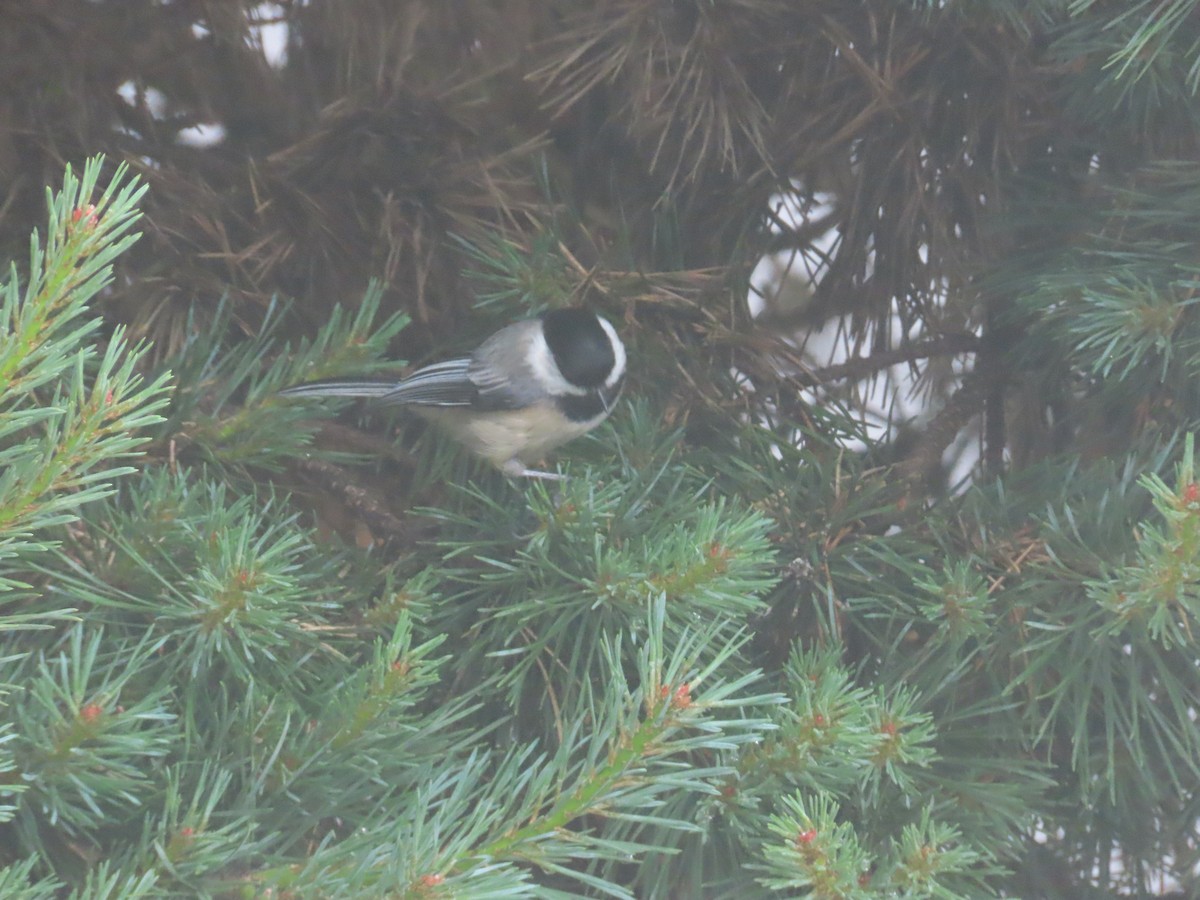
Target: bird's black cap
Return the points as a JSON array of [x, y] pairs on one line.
[[580, 345]]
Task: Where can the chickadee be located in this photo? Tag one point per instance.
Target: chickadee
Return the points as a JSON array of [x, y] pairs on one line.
[[530, 387]]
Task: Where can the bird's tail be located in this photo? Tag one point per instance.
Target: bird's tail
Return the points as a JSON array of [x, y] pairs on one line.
[[340, 389]]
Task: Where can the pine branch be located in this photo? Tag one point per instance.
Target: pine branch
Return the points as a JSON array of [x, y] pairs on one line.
[[620, 756], [227, 409], [864, 367], [69, 415]]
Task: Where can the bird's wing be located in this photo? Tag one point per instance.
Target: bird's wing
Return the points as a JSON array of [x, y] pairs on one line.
[[483, 381], [440, 384], [494, 392], [500, 369]]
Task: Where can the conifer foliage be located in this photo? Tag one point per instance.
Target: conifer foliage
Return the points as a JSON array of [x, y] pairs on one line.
[[774, 636]]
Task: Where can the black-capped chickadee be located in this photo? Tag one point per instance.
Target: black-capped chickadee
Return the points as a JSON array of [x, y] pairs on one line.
[[530, 387]]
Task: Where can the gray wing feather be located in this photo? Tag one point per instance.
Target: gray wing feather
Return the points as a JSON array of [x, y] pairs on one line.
[[441, 384], [500, 371], [483, 381]]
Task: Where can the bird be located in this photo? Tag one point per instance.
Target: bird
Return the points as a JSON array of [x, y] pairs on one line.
[[529, 388]]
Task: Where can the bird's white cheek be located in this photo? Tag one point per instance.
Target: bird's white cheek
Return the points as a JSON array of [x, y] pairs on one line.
[[618, 349]]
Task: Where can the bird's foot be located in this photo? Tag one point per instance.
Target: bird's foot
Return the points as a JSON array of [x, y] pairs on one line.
[[514, 468]]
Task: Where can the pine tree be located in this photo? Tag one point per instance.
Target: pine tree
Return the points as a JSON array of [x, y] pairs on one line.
[[766, 640]]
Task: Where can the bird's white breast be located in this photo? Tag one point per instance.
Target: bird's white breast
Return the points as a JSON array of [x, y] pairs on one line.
[[525, 434]]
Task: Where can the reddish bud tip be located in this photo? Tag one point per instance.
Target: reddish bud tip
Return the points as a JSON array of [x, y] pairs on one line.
[[683, 697], [91, 712], [432, 880], [806, 837], [82, 213]]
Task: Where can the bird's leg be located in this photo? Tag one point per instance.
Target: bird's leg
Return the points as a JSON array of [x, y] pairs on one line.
[[514, 468]]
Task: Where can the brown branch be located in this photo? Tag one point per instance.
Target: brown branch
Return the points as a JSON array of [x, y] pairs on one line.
[[997, 340], [964, 403], [864, 366], [337, 481]]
